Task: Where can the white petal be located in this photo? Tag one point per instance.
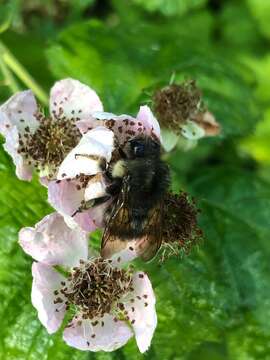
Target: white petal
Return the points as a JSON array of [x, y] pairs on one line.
[[45, 282], [125, 255], [76, 100], [96, 119], [121, 252], [96, 188], [102, 115], [52, 242], [208, 122], [85, 125], [16, 114], [186, 144], [65, 197], [44, 181], [146, 116], [23, 169], [97, 142], [83, 335], [94, 216], [169, 139], [123, 126], [192, 131], [142, 310], [21, 106]]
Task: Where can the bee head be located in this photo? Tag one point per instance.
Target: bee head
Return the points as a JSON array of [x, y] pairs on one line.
[[142, 146]]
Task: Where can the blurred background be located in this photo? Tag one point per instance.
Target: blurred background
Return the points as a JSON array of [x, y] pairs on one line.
[[215, 302]]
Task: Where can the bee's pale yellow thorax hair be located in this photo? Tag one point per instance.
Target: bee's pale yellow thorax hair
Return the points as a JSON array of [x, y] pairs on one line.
[[119, 169]]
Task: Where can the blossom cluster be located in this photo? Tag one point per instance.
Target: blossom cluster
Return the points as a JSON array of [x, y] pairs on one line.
[[105, 300]]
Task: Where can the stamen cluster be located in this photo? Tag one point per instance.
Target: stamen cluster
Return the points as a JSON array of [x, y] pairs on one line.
[[180, 229], [175, 104], [96, 287], [47, 147]]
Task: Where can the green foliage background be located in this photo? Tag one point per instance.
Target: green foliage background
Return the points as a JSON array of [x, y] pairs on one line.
[[215, 303]]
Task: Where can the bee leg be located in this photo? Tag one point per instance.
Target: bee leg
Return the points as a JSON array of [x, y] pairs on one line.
[[121, 152], [86, 205], [101, 200], [115, 187], [102, 161]]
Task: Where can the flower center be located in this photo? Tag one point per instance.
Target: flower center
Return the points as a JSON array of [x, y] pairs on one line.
[[180, 230], [175, 104], [47, 147], [96, 287]]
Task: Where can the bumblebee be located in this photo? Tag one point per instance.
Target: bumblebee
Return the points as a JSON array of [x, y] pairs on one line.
[[139, 182]]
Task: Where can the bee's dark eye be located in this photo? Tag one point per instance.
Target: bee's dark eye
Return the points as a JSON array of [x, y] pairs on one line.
[[138, 150]]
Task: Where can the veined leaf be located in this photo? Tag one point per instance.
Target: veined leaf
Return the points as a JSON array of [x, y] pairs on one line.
[[140, 60]]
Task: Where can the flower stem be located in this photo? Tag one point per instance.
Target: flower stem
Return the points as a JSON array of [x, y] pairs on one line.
[[10, 81], [9, 59]]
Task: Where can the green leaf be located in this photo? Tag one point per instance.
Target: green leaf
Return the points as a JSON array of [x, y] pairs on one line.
[[225, 91], [6, 15], [260, 9], [258, 144], [120, 60], [244, 35], [213, 304], [140, 57], [236, 205], [170, 7]]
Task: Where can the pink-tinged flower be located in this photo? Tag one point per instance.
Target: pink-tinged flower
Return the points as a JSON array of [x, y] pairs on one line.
[[37, 141], [80, 176], [82, 180], [124, 126], [52, 242], [111, 303]]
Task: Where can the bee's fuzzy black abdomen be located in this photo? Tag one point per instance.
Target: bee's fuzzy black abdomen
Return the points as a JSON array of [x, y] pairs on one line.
[[148, 183], [136, 212]]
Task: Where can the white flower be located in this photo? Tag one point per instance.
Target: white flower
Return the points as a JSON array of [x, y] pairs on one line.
[[36, 141], [82, 180], [80, 174], [52, 242], [183, 116], [111, 303]]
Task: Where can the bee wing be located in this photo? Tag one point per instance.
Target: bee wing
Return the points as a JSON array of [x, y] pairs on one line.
[[149, 244], [119, 219], [120, 222]]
